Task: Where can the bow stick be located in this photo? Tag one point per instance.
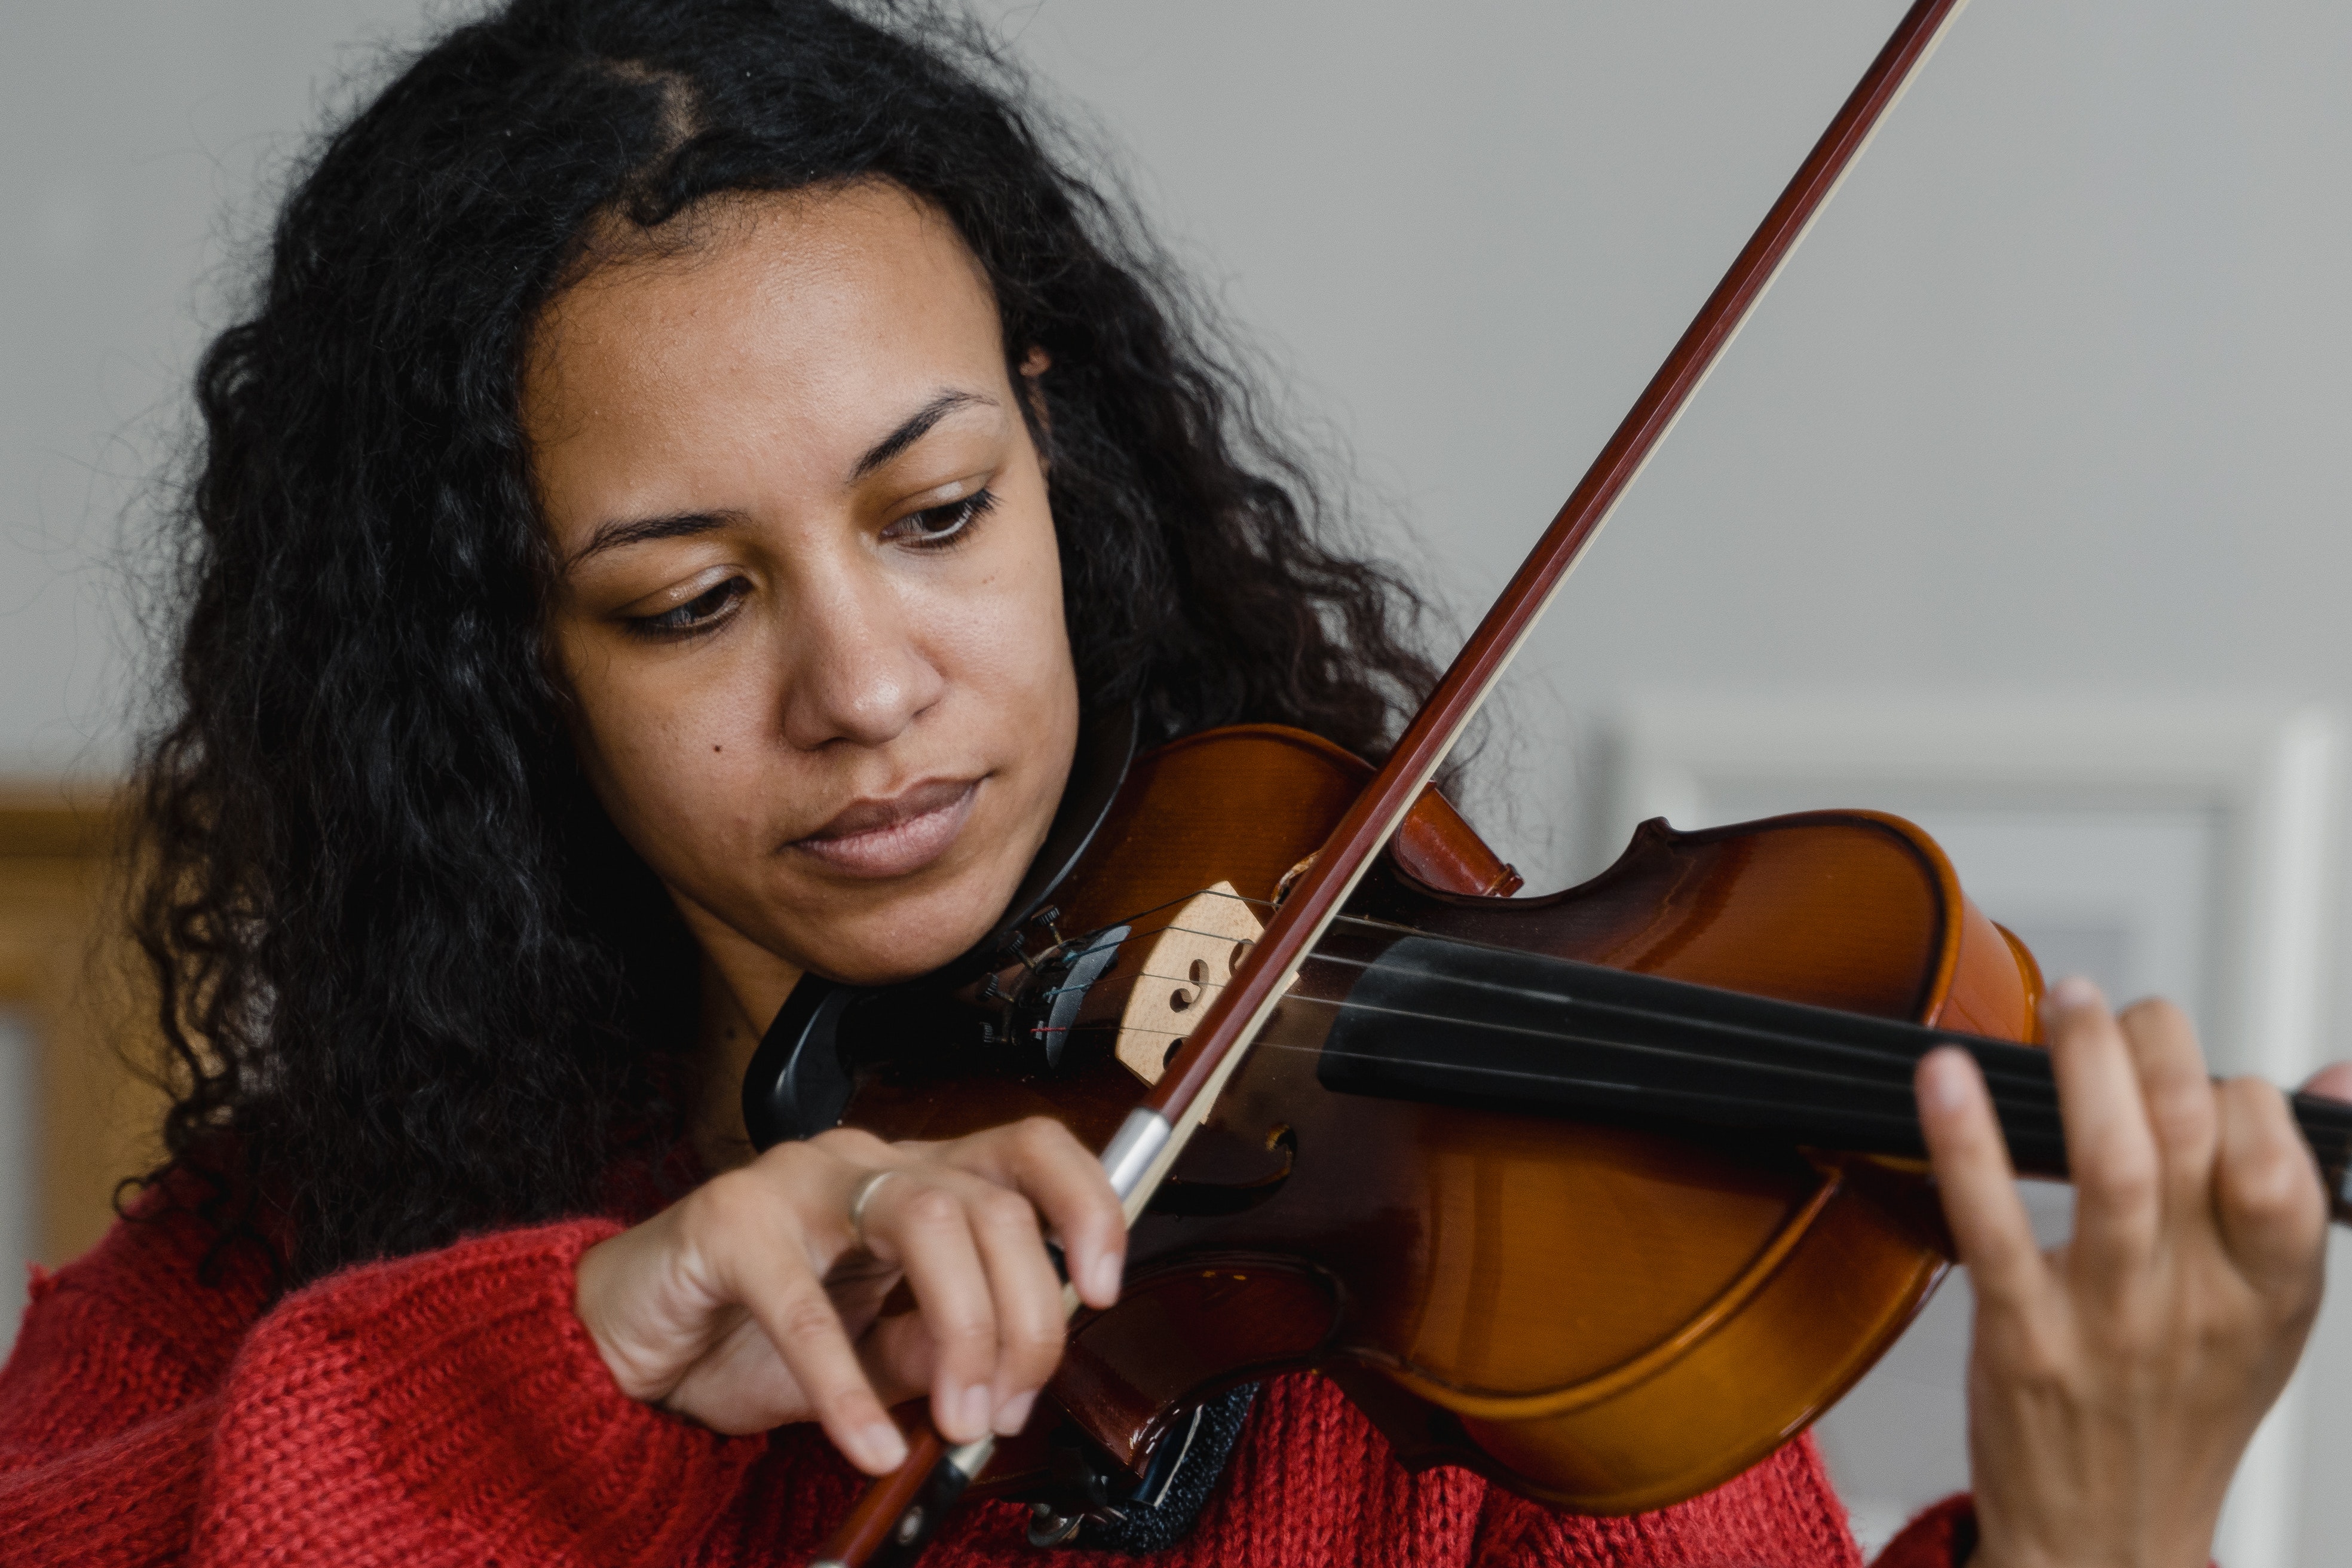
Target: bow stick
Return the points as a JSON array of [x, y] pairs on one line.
[[899, 1515]]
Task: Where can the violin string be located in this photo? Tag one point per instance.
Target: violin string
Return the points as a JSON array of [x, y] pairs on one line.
[[1892, 1067], [2327, 1127], [1896, 1064], [1903, 1121], [2017, 1109], [2017, 1113], [2327, 1132], [1790, 1072]]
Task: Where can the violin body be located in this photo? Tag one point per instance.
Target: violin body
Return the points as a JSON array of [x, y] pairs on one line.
[[1607, 1316]]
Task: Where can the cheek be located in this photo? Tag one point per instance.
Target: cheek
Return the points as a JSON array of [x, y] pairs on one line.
[[666, 745], [1002, 634]]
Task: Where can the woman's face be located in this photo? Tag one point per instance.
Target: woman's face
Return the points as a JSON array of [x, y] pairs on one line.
[[807, 595]]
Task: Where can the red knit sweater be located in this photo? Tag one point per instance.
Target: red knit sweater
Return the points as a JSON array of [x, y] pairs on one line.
[[448, 1408]]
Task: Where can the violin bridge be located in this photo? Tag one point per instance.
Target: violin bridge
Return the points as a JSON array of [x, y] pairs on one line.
[[1173, 970]]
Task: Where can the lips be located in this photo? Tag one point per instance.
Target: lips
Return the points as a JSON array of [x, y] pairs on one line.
[[896, 837]]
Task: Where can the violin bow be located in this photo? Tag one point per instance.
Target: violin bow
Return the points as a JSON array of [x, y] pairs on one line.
[[899, 1515]]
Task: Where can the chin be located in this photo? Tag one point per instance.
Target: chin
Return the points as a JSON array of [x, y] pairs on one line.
[[907, 938]]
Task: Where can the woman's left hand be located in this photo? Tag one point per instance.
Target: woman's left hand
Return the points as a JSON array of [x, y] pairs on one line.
[[2115, 1380]]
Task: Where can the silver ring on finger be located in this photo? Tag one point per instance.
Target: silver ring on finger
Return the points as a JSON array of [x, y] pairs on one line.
[[857, 1202]]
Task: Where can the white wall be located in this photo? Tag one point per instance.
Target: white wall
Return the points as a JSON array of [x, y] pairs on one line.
[[2055, 396], [132, 132]]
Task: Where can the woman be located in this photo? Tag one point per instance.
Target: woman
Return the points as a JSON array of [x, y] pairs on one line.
[[688, 470]]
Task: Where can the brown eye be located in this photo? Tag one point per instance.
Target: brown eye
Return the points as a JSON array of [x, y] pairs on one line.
[[937, 527], [698, 614]]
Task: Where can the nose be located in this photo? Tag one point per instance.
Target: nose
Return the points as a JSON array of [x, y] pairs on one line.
[[858, 673]]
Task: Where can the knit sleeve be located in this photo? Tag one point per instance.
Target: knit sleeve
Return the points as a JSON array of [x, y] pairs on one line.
[[1782, 1513], [451, 1402], [108, 1398], [441, 1408], [1945, 1536]]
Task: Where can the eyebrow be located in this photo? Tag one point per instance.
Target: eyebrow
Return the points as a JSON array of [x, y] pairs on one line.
[[914, 427], [617, 533], [621, 533]]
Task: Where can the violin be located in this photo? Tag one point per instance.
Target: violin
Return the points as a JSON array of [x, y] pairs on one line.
[[1603, 1195]]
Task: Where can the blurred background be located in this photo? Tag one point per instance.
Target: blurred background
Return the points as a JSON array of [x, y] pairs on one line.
[[2020, 508]]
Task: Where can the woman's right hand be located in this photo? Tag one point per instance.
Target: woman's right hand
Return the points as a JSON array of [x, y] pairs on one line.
[[751, 1302]]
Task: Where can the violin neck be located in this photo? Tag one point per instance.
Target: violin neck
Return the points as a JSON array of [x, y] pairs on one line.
[[1436, 1020], [2327, 1126]]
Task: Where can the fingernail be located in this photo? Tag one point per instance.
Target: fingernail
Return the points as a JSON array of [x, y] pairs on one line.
[[1939, 1086], [1106, 1271], [971, 1412], [1014, 1415], [2074, 991], [884, 1447]]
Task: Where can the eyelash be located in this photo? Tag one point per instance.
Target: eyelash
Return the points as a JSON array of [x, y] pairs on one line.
[[704, 611], [959, 517], [697, 615]]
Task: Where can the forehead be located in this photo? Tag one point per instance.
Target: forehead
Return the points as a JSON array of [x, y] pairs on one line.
[[812, 311]]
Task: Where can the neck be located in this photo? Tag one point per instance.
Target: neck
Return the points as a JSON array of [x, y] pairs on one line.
[[743, 987], [727, 1038]]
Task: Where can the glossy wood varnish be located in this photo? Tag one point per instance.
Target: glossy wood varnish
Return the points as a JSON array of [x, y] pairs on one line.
[[1606, 1318]]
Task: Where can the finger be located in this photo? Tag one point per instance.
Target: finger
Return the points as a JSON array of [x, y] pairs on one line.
[[918, 1222], [2272, 1213], [899, 1359], [2334, 1081], [740, 1385], [2179, 1095], [1030, 1319], [1040, 1159], [784, 1295], [2110, 1148], [1981, 1204]]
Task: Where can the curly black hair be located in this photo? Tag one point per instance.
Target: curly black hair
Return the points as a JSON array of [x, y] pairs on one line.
[[413, 983]]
